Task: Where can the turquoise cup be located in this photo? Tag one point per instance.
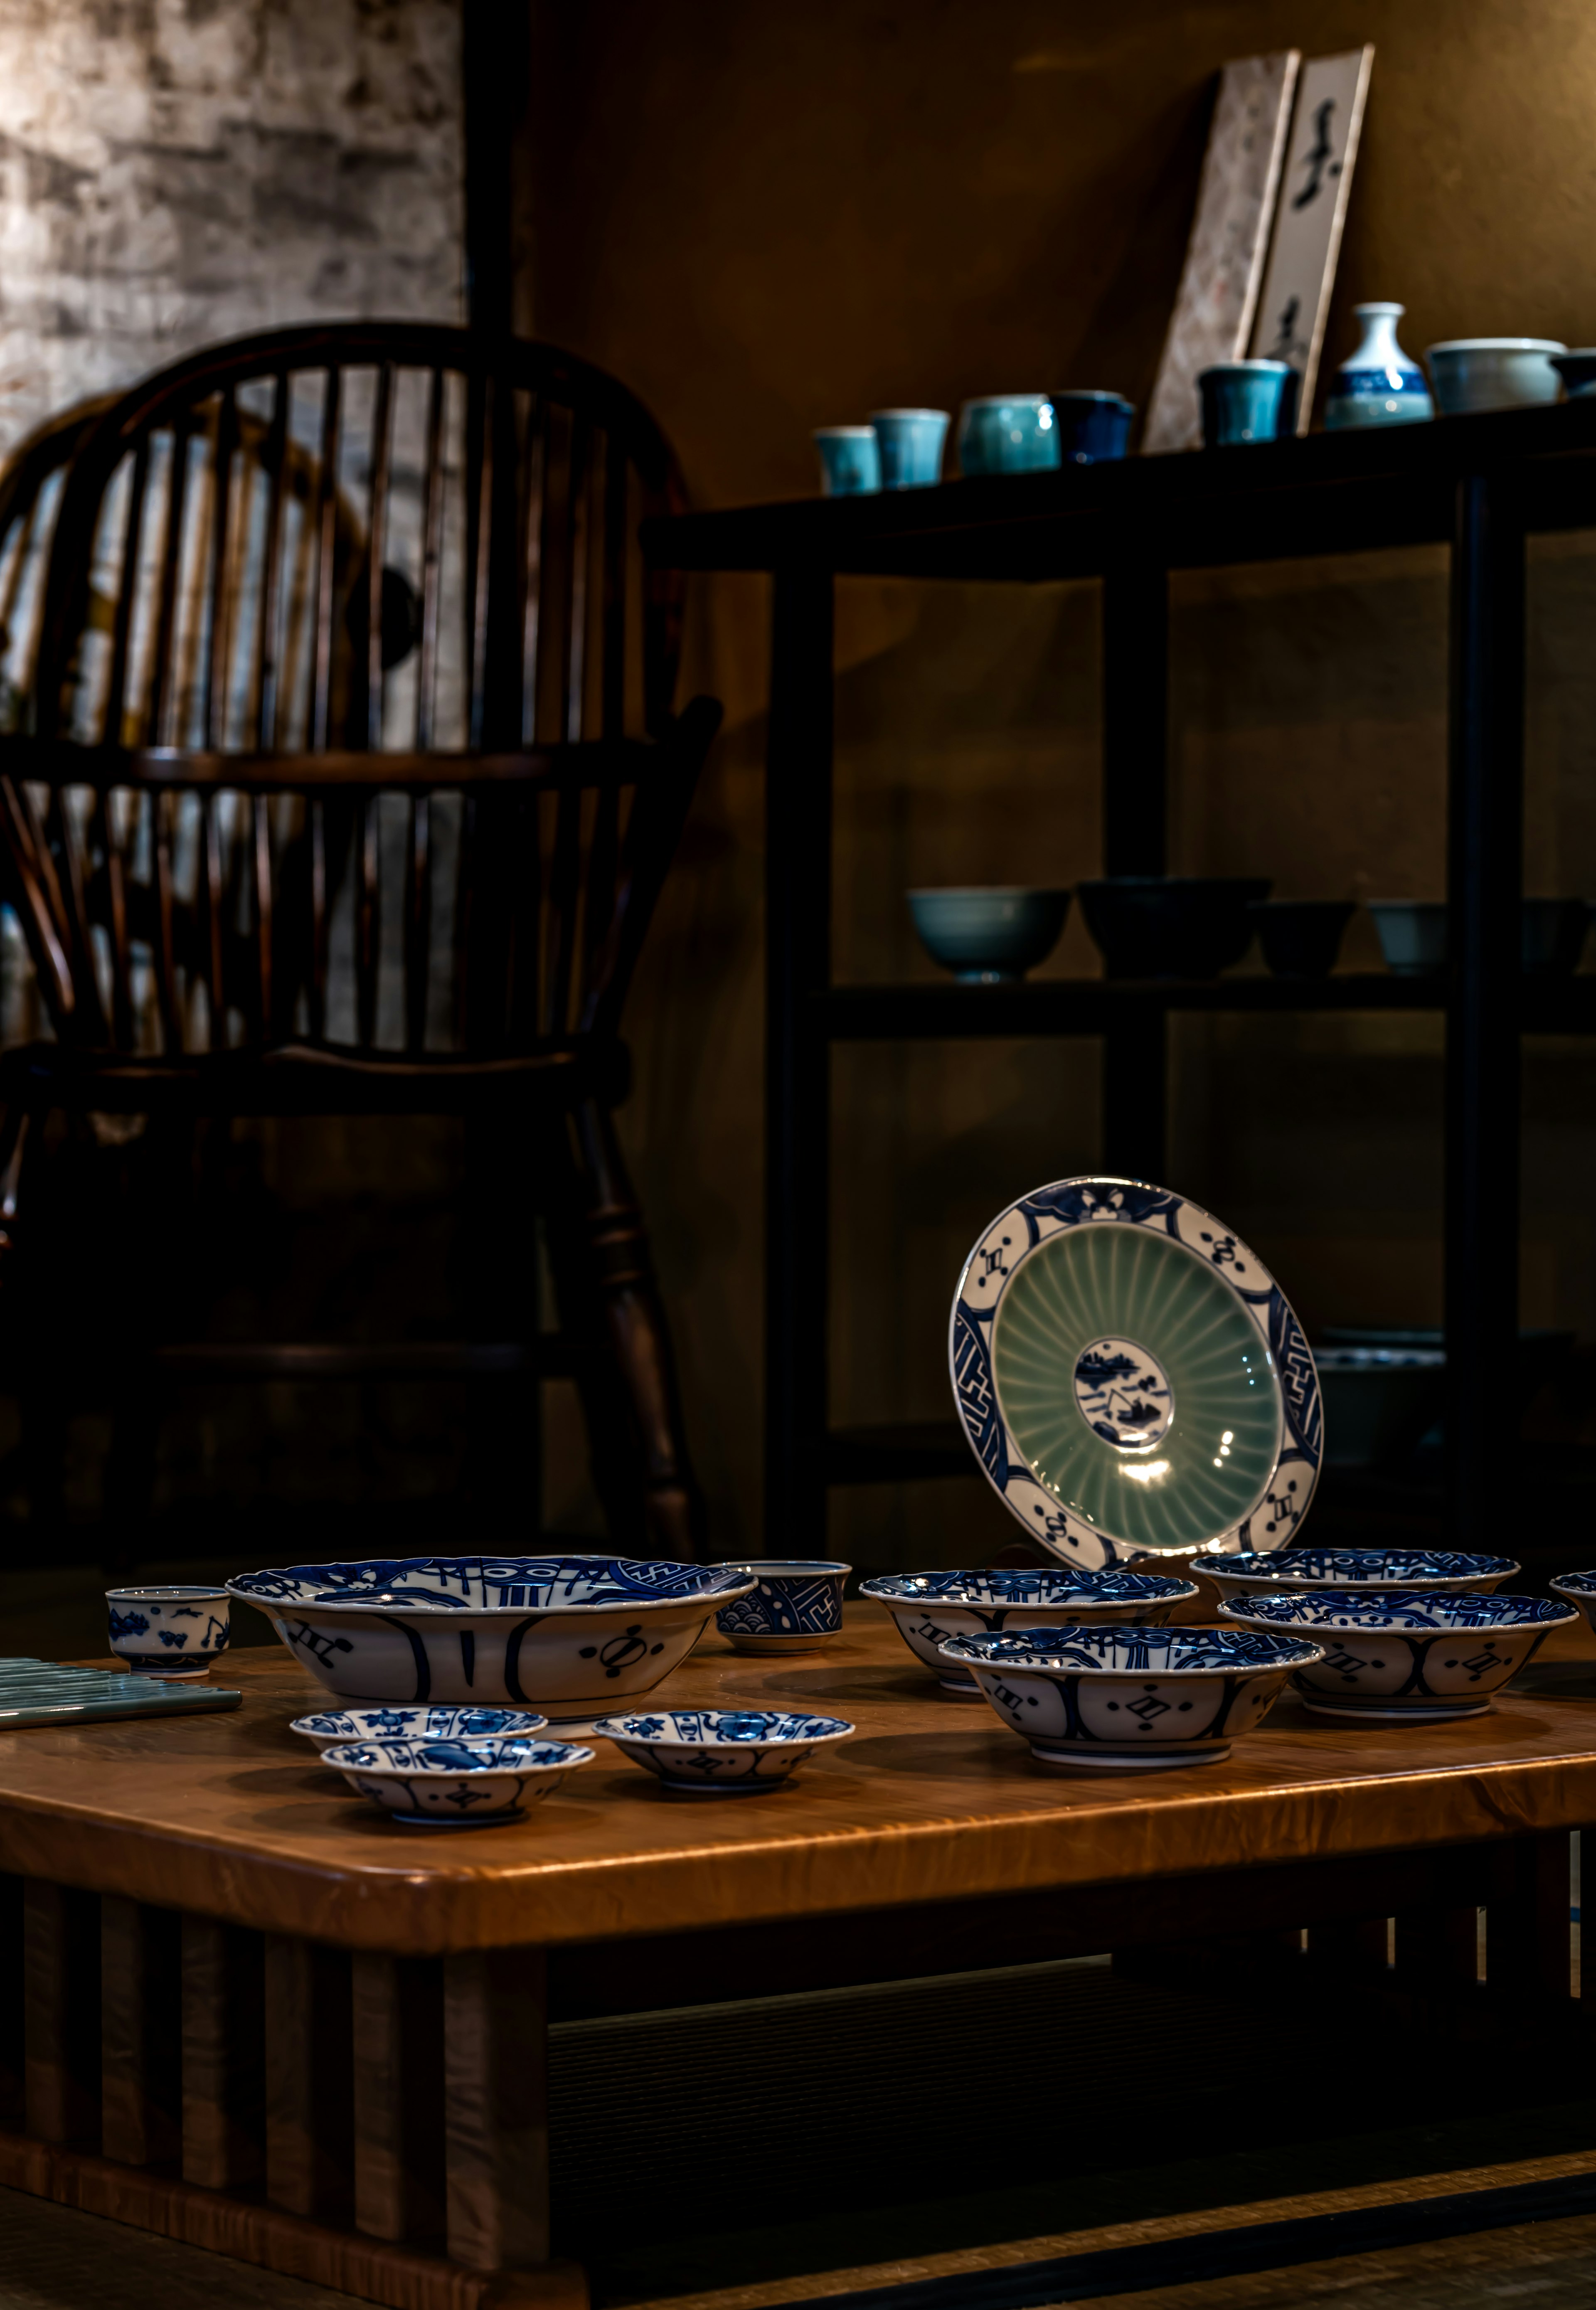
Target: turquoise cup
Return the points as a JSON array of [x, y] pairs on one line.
[[1008, 433], [850, 460], [911, 446], [1243, 401]]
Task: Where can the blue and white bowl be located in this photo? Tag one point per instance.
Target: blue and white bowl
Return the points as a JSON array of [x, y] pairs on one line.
[[456, 1783], [721, 1752], [1577, 1588], [794, 1607], [1130, 1700], [562, 1634], [174, 1632], [334, 1725], [1408, 1656], [1297, 1569], [929, 1608]]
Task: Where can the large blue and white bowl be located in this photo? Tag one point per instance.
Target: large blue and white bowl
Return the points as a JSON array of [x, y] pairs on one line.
[[721, 1752], [564, 1635], [456, 1783], [1295, 1570], [1130, 1700], [1579, 1588], [1408, 1656], [333, 1726], [929, 1608]]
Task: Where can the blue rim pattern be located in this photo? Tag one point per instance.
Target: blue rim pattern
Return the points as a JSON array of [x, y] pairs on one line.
[[1400, 1608], [1133, 1651], [446, 1756], [1409, 1566], [1018, 1587], [1096, 1201], [722, 1728], [487, 1583], [402, 1723]]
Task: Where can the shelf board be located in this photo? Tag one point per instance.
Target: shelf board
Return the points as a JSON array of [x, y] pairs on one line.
[[1092, 1006]]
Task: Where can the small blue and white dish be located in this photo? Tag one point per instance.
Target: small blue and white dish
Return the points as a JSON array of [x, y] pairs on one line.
[[929, 1609], [1577, 1588], [334, 1725], [850, 460], [1377, 385], [721, 1752], [1405, 1655], [1008, 433], [456, 1783], [1130, 1700], [562, 1634], [173, 1633], [988, 936], [1093, 428], [792, 1607], [1296, 1571]]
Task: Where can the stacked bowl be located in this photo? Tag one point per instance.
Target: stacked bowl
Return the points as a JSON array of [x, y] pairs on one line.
[[929, 1609]]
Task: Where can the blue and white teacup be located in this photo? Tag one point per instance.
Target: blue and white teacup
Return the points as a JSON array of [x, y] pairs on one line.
[[911, 444], [850, 460], [169, 1632], [1244, 400], [795, 1606]]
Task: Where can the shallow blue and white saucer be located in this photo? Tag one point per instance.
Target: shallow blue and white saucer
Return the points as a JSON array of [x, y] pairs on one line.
[[332, 1725], [1405, 1655], [456, 1783], [1130, 1377], [1295, 1570], [720, 1752]]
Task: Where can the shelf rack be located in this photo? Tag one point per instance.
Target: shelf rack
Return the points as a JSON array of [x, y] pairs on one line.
[[1482, 486]]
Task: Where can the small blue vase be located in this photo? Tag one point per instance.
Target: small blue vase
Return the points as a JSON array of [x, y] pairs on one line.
[[1092, 427], [850, 460], [1377, 385], [1244, 400]]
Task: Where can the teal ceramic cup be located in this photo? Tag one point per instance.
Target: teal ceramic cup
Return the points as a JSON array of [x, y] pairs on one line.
[[911, 444], [1243, 401], [1008, 433], [989, 937], [850, 460]]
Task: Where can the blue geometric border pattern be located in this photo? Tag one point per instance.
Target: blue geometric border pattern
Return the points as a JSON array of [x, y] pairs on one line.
[[496, 1584], [1274, 1521]]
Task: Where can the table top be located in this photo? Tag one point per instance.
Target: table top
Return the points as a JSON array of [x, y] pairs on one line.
[[232, 1816]]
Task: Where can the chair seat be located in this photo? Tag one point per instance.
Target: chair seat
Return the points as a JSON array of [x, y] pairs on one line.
[[304, 1078]]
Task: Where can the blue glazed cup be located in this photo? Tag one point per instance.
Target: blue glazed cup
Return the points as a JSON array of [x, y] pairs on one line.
[[1093, 428], [1008, 433], [1244, 400], [911, 446], [795, 1607], [169, 1632], [850, 460]]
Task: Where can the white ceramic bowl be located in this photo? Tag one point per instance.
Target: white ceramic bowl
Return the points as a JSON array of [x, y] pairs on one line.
[[721, 1752], [455, 1784], [563, 1635], [335, 1725], [1471, 374], [1295, 1570], [1130, 1700], [928, 1608], [1405, 1655]]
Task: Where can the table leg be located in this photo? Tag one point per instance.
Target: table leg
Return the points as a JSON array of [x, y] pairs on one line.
[[140, 1992], [496, 2121], [1528, 1930], [398, 2091], [1364, 1944], [309, 2088], [60, 2012], [1438, 1944], [223, 2044], [11, 2000]]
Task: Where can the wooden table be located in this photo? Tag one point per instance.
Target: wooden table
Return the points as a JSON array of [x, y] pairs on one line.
[[250, 2012]]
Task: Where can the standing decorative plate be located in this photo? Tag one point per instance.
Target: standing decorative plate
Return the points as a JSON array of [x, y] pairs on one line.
[[1131, 1378]]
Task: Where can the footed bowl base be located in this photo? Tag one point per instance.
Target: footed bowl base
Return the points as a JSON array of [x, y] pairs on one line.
[[751, 1787], [466, 1820], [1353, 1712], [1127, 1760]]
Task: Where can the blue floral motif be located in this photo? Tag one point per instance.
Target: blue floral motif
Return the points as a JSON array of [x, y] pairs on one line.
[[1129, 1650], [540, 1584], [1075, 1200], [129, 1624], [1400, 1608], [1014, 1588], [977, 1396], [694, 1727], [1299, 1382], [1411, 1567]]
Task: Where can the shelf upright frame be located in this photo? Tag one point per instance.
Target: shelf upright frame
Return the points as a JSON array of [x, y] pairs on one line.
[[1135, 840]]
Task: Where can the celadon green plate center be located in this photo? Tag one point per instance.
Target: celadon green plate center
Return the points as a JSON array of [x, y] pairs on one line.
[[1211, 1465]]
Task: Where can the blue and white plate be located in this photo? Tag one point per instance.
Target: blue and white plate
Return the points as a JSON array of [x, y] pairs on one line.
[[927, 1608], [1130, 1700], [1406, 1655], [456, 1783], [560, 1634], [333, 1725], [1294, 1569], [1131, 1378], [721, 1752]]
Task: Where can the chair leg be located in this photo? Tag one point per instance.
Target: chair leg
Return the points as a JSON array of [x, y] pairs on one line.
[[639, 1452]]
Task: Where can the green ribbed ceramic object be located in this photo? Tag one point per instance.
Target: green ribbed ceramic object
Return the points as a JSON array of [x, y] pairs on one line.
[[1137, 1304]]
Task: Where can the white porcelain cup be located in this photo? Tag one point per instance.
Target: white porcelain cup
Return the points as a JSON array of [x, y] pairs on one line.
[[1471, 374], [169, 1631]]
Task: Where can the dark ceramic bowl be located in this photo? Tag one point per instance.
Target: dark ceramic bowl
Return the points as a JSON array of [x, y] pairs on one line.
[[989, 936], [1170, 926], [1301, 938], [1413, 935]]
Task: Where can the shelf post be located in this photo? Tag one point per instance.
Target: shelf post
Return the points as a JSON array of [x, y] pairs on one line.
[[1135, 841], [797, 1062], [1484, 888]]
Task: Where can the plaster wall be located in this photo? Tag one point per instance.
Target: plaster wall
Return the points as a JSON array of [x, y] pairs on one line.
[[766, 219]]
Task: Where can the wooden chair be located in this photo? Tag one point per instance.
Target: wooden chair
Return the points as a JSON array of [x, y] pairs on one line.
[[359, 801]]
